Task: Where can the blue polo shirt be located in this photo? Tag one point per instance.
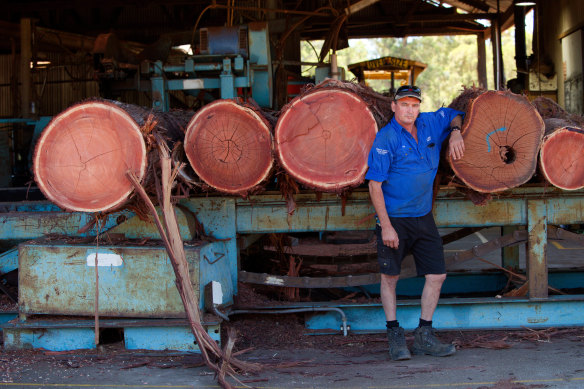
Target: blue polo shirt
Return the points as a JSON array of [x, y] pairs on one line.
[[405, 168]]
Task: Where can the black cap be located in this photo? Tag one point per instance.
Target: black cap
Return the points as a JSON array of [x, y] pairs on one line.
[[408, 91]]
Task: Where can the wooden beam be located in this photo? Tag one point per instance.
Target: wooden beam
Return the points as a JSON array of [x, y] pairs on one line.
[[25, 58], [482, 60], [482, 5], [359, 5]]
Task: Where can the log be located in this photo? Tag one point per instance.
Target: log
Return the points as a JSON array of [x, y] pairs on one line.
[[229, 146], [502, 133], [82, 156], [549, 109], [561, 155], [323, 139]]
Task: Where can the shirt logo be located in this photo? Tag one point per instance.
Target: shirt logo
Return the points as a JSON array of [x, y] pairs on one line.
[[442, 114], [381, 151], [428, 139]]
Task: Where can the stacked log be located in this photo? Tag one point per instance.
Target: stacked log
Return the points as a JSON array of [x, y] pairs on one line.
[[323, 138], [562, 150], [502, 134], [229, 146], [82, 156]]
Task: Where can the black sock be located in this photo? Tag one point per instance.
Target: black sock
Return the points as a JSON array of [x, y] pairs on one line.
[[392, 324], [425, 323]]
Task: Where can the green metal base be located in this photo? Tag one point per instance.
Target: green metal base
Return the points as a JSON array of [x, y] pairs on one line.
[[66, 335]]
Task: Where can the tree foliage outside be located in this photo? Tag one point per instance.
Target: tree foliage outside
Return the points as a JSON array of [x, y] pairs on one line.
[[451, 62]]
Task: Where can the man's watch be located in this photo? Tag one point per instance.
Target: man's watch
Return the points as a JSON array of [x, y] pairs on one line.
[[455, 128]]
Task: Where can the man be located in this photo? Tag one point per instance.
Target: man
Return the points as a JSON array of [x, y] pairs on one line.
[[402, 166]]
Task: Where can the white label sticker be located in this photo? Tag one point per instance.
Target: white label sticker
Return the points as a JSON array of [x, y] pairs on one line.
[[196, 83], [104, 259]]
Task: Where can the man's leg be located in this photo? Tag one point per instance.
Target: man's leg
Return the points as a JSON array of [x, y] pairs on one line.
[[431, 294], [388, 298], [425, 342], [390, 266], [398, 350], [429, 255]]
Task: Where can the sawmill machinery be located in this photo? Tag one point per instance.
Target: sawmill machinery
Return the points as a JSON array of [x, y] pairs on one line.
[[227, 62]]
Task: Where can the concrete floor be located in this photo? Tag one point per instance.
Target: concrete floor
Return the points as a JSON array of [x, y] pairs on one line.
[[556, 363], [360, 361]]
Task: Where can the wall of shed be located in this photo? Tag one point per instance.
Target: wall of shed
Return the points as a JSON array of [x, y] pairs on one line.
[[557, 19]]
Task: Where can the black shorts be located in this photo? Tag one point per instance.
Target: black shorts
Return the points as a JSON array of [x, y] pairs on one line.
[[418, 236]]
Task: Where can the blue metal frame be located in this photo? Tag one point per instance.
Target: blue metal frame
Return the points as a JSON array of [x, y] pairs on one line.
[[227, 217], [67, 335], [458, 314]]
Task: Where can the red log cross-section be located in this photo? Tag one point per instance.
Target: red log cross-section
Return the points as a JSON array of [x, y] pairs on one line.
[[502, 134], [561, 157], [82, 156], [323, 139], [229, 146]]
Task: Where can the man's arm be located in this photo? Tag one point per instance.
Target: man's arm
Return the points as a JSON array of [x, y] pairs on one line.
[[388, 233], [456, 143]]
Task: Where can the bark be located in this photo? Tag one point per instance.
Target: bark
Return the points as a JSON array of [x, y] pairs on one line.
[[463, 101], [561, 155], [169, 232], [323, 137], [82, 156], [502, 134], [549, 109], [229, 146]]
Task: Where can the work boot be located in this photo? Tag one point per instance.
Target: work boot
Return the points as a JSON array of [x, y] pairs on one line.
[[425, 342], [397, 344]]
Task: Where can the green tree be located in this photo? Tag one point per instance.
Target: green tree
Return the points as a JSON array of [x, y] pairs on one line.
[[451, 60]]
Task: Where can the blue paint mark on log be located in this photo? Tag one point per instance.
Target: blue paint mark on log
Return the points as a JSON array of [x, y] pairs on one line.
[[489, 136]]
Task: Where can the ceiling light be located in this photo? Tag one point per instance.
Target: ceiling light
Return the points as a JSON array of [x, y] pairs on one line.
[[524, 3]]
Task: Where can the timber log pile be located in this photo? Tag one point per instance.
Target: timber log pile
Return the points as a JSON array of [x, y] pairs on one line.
[[320, 140], [507, 138]]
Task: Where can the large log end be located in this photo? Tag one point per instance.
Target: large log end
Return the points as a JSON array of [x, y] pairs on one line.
[[323, 139], [561, 158], [82, 156], [502, 134], [229, 146]]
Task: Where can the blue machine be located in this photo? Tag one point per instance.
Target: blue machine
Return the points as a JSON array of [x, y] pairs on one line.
[[229, 58]]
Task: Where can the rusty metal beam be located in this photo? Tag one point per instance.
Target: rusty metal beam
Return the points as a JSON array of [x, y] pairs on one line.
[[537, 272]]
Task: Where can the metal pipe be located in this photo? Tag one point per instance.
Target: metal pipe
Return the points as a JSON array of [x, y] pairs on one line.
[[25, 57], [296, 310], [520, 46], [219, 313]]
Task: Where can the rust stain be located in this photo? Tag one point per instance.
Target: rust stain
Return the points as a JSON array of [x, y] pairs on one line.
[[74, 254], [537, 320]]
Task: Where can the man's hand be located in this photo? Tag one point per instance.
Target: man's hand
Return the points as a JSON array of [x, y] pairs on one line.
[[456, 145], [389, 237]]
